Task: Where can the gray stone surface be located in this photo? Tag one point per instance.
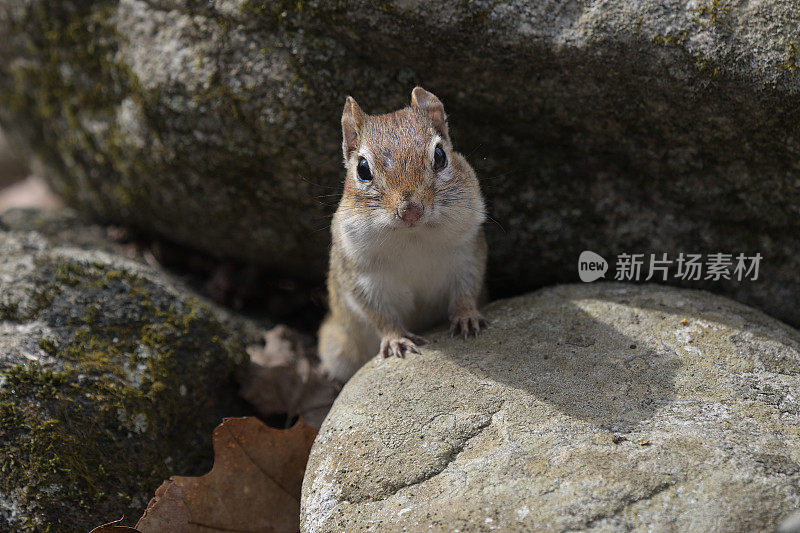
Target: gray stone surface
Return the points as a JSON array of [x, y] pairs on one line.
[[600, 407], [111, 378], [615, 126], [64, 227]]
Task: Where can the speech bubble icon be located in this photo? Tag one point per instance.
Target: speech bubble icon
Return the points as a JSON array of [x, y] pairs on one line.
[[591, 266]]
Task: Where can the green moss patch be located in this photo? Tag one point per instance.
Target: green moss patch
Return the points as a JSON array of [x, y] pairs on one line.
[[790, 63], [126, 393]]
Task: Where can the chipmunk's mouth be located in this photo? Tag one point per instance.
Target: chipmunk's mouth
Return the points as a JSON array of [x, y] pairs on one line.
[[400, 224], [427, 221], [407, 225]]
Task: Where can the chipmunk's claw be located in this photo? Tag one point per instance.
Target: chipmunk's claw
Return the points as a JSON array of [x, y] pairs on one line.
[[416, 339], [466, 324], [399, 346]]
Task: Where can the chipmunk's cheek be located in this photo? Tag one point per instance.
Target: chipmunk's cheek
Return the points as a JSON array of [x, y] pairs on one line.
[[382, 219], [428, 198], [445, 174]]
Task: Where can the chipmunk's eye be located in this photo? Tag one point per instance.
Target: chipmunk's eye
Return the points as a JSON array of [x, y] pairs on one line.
[[364, 173], [439, 158]]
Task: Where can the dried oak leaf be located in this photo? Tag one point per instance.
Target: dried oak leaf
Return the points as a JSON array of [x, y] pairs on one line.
[[165, 512], [283, 378], [254, 485]]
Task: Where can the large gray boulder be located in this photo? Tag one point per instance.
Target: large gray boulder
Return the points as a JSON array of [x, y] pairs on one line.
[[615, 126], [111, 378], [604, 407]]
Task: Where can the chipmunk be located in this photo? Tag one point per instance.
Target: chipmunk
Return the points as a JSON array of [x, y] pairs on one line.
[[408, 248]]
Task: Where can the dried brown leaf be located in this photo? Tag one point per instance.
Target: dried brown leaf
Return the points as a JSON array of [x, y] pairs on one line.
[[282, 346], [165, 512], [255, 482], [282, 378], [253, 487]]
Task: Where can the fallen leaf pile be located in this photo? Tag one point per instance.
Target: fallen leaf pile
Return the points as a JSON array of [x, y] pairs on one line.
[[282, 378], [254, 485]]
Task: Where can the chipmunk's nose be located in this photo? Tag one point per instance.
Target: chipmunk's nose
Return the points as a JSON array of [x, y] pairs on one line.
[[409, 212]]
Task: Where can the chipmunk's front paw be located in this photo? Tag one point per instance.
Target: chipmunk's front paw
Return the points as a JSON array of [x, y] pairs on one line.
[[398, 345], [466, 323]]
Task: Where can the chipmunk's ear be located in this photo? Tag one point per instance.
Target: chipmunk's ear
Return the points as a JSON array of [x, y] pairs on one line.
[[352, 124], [432, 107]]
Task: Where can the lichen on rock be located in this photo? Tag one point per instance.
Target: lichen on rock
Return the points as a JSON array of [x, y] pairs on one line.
[[110, 381]]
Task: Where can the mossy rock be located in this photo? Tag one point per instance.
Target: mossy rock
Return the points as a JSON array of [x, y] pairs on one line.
[[654, 127], [111, 380]]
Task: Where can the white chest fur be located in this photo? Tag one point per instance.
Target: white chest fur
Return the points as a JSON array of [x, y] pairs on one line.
[[410, 274]]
